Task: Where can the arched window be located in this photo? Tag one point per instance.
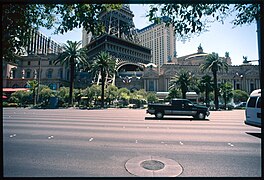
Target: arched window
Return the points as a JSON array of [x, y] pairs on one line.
[[15, 86], [27, 86], [49, 73], [12, 73], [60, 73], [28, 72], [53, 86]]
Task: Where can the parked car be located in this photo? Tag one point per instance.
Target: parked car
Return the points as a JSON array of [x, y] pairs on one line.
[[228, 106], [241, 105], [178, 107], [253, 109]]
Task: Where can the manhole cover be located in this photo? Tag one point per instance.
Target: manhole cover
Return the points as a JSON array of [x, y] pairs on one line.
[[152, 165]]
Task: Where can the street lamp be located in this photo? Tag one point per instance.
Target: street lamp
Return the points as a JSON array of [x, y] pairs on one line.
[[35, 95], [241, 76], [39, 76], [248, 61]]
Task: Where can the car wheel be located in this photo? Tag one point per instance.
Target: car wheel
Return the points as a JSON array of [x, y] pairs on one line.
[[159, 115], [200, 115]]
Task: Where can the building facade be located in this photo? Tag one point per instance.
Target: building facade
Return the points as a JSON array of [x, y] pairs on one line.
[[39, 55], [36, 67], [38, 43], [146, 59], [131, 75], [161, 40], [244, 77], [198, 58]]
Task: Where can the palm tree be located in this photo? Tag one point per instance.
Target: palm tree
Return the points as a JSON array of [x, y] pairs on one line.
[[215, 64], [104, 65], [33, 85], [206, 85], [73, 55], [226, 92], [183, 79]]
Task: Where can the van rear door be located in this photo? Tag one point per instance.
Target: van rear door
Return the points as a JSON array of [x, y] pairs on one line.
[[253, 111]]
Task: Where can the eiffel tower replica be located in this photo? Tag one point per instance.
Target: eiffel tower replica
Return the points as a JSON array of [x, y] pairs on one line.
[[120, 40]]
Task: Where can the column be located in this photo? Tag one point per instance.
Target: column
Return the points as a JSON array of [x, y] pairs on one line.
[[35, 42]]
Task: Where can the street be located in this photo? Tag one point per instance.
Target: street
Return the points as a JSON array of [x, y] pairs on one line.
[[98, 143]]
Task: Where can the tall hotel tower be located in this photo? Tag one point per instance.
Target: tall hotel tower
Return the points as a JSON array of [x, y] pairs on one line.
[[161, 40]]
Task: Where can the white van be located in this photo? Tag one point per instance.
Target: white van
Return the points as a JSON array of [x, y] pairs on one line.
[[253, 109]]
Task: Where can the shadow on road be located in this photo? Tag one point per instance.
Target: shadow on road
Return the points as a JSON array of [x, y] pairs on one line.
[[258, 135], [177, 119]]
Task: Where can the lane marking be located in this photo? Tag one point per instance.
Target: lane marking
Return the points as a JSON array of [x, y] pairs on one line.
[[181, 143], [230, 144]]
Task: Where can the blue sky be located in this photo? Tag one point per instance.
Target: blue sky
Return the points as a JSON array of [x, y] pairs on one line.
[[239, 41]]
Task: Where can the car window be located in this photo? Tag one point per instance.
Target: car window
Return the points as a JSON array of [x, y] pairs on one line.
[[259, 102], [252, 102]]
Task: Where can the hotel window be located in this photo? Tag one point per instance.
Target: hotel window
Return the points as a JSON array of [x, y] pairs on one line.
[[60, 73], [49, 73], [251, 87], [28, 63], [151, 85], [28, 74]]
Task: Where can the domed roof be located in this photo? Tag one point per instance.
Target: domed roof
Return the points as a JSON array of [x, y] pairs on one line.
[[151, 65], [196, 56]]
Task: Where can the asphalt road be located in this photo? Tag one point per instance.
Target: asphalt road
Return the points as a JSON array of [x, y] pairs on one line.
[[98, 143]]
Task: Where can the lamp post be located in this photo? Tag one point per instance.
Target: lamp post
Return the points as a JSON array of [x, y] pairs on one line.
[[248, 61], [39, 76], [241, 79], [35, 95]]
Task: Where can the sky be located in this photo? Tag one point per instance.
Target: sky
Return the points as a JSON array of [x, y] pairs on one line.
[[239, 41]]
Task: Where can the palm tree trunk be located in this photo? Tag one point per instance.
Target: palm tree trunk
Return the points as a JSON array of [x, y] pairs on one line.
[[207, 96], [225, 99], [103, 86], [34, 96], [183, 94], [71, 82], [215, 91]]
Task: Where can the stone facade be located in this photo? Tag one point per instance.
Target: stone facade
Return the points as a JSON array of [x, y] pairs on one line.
[[161, 40], [135, 76], [28, 68], [244, 77]]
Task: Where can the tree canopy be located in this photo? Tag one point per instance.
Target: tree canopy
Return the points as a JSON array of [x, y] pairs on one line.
[[18, 19], [189, 19]]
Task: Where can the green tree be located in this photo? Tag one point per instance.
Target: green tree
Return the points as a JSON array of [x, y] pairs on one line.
[[18, 19], [111, 93], [124, 95], [183, 80], [21, 97], [226, 92], [86, 93], [206, 85], [103, 66], [188, 19], [152, 97], [63, 95], [73, 55], [95, 92], [240, 96], [214, 64], [45, 94], [173, 93], [138, 97], [33, 84]]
